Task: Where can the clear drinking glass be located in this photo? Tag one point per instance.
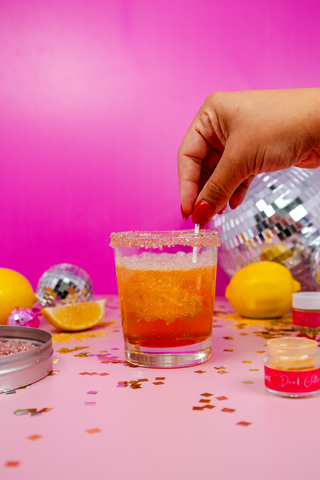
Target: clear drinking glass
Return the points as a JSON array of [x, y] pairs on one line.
[[166, 284]]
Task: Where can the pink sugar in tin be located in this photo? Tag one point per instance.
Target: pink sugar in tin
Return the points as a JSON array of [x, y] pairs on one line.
[[25, 356], [12, 347]]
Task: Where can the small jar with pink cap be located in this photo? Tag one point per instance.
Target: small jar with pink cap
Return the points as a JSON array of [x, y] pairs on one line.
[[306, 312]]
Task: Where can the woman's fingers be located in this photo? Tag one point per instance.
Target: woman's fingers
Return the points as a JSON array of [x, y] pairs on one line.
[[195, 157]]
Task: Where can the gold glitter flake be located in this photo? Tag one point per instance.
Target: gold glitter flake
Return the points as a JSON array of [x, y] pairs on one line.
[[221, 372], [158, 383], [206, 394], [197, 408], [246, 361], [259, 351], [209, 406], [52, 373], [200, 371], [220, 368], [247, 382], [228, 410], [12, 464], [67, 350], [79, 336], [228, 338], [160, 378], [228, 350], [244, 424], [253, 369], [55, 360], [222, 398], [93, 430], [34, 437]]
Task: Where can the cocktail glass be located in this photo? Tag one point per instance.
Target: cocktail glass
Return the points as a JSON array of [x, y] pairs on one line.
[[166, 284]]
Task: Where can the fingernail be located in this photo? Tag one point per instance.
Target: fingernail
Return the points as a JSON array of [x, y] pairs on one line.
[[203, 212], [184, 216]]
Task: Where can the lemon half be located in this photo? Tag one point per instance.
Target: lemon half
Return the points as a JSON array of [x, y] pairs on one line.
[[75, 316]]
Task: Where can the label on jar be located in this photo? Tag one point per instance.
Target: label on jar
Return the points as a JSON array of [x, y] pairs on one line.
[[292, 381], [309, 319]]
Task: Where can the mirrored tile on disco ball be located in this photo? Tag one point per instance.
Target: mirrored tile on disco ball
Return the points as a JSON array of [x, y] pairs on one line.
[[278, 221], [62, 284]]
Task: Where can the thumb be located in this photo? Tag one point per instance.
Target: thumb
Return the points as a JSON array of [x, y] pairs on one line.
[[218, 190]]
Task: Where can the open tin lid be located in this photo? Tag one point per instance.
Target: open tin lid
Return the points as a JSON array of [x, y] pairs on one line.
[[26, 367]]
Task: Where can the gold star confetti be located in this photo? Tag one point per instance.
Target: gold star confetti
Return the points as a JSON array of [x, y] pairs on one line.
[[227, 350], [253, 369], [67, 350], [222, 398], [246, 361], [200, 371], [158, 383], [206, 394], [209, 406], [12, 464], [228, 410], [221, 372], [78, 336], [203, 400], [247, 382], [244, 424], [94, 430], [219, 368], [82, 354], [34, 437], [55, 360], [260, 351]]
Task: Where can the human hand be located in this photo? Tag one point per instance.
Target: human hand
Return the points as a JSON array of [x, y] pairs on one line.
[[238, 135]]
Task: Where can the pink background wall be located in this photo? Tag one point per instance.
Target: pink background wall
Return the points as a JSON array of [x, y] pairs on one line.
[[95, 97]]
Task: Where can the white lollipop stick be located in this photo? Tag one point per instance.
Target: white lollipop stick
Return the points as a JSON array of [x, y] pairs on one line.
[[195, 249]]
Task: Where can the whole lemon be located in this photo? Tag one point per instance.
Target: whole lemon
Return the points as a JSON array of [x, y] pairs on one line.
[[15, 291], [262, 290]]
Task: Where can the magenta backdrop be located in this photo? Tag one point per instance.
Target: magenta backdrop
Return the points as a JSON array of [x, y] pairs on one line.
[[95, 97]]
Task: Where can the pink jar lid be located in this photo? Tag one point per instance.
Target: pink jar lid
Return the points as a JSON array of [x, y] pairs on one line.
[[306, 300]]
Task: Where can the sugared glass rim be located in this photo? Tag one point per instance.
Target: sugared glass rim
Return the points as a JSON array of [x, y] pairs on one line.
[[157, 239]]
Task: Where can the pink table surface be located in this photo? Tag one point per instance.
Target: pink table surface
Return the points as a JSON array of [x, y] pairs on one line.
[[153, 431]]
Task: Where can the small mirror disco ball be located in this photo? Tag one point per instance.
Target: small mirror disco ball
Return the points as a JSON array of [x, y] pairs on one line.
[[278, 221], [62, 284]]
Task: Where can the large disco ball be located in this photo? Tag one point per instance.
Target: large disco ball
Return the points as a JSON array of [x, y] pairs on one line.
[[62, 284], [278, 221]]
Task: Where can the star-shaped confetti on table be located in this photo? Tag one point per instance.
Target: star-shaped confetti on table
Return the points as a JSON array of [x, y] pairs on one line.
[[34, 437], [12, 464]]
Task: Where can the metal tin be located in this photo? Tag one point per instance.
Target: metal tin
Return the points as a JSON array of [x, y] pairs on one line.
[[26, 367]]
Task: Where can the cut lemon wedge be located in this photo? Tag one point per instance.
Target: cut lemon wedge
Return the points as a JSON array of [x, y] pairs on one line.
[[75, 316]]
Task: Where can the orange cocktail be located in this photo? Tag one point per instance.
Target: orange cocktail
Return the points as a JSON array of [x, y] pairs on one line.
[[167, 299]]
